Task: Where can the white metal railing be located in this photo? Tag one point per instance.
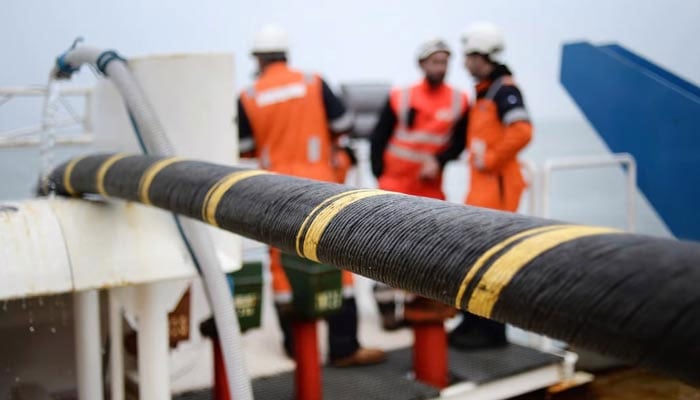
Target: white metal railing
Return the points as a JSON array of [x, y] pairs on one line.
[[538, 197], [529, 170], [31, 135], [587, 162]]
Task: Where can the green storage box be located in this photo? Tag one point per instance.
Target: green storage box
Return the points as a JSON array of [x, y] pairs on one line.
[[317, 288], [247, 294]]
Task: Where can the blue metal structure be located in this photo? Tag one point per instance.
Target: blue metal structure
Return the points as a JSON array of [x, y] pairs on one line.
[[640, 108]]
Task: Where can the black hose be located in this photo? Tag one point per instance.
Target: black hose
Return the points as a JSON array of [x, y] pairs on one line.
[[631, 296]]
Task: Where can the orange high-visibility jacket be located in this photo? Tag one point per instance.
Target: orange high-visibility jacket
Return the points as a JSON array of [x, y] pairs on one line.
[[288, 120], [287, 116], [420, 136], [499, 183]]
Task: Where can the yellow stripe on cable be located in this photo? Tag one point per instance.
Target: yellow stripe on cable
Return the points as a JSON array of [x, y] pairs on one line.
[[217, 191], [493, 250], [299, 244], [325, 216], [507, 265], [102, 172], [66, 175], [150, 174]]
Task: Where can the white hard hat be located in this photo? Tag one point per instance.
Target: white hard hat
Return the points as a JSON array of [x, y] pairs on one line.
[[270, 39], [484, 38], [431, 47]]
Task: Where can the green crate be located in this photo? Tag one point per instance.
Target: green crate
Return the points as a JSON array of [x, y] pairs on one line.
[[316, 288], [247, 294]]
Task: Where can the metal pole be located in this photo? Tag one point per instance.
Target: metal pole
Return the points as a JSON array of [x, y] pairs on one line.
[[430, 356], [116, 348], [307, 374], [88, 350], [544, 190], [154, 380], [631, 195]]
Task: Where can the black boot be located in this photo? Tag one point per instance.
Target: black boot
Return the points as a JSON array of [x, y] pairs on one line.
[[475, 333]]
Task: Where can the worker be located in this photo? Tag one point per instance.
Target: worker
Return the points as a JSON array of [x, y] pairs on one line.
[[499, 128], [414, 137], [419, 130], [290, 121]]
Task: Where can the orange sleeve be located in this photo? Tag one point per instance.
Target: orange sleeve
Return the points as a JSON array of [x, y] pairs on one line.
[[516, 136]]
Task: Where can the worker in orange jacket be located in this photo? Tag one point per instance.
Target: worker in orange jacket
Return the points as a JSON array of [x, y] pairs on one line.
[[419, 130], [415, 135], [499, 128], [290, 121]]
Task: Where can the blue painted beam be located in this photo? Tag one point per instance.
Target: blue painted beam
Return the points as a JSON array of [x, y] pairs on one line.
[[640, 108]]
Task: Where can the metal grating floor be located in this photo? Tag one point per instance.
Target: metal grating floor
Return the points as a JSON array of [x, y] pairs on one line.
[[390, 380], [487, 365]]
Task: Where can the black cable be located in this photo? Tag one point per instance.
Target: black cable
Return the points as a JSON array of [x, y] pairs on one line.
[[631, 296]]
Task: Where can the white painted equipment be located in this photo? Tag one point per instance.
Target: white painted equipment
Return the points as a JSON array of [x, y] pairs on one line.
[[60, 245], [54, 246]]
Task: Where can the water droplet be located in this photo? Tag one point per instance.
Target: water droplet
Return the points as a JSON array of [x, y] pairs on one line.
[[31, 329], [41, 301], [24, 304], [17, 379], [53, 329]]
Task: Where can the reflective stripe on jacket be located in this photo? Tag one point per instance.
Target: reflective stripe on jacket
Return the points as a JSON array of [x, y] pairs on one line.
[[425, 119]]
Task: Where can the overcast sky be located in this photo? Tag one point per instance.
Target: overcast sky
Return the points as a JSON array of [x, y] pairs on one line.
[[355, 40]]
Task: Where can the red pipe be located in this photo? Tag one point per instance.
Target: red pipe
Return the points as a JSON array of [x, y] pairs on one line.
[[221, 391], [308, 372], [430, 354]]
